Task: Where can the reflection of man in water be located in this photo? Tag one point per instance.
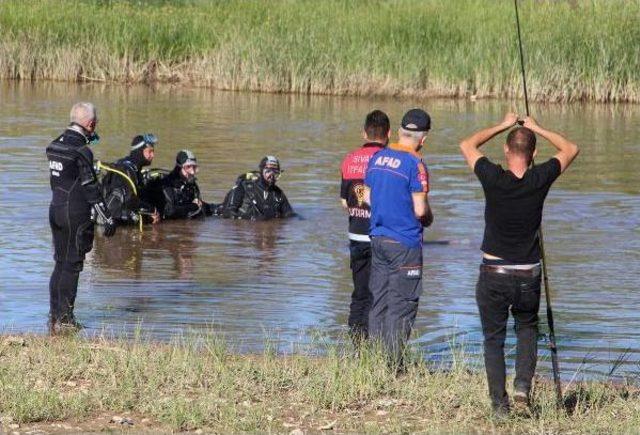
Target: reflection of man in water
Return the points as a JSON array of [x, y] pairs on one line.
[[255, 195], [122, 254], [182, 248], [510, 270], [75, 194], [376, 134]]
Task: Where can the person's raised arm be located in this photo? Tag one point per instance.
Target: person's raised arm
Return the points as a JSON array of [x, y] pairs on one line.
[[470, 145], [567, 150]]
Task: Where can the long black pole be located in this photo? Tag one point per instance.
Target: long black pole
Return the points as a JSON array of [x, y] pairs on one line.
[[524, 76], [545, 277]]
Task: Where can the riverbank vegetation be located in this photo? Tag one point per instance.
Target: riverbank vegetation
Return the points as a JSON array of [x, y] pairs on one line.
[[576, 50], [198, 383]]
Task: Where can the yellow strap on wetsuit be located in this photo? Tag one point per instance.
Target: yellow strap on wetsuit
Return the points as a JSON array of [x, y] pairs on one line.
[[126, 177]]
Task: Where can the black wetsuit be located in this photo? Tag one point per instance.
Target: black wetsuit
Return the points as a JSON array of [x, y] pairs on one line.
[[123, 202], [252, 198], [178, 195], [76, 191]]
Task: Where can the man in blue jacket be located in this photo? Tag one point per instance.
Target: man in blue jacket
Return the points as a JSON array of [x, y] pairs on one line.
[[397, 184]]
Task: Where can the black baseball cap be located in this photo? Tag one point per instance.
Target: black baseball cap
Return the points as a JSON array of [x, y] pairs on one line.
[[416, 120]]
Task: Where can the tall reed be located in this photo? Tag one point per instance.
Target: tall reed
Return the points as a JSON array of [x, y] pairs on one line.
[[576, 50]]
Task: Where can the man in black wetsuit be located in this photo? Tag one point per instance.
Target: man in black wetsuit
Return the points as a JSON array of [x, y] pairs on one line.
[[255, 195], [510, 269], [180, 192], [75, 194], [123, 184]]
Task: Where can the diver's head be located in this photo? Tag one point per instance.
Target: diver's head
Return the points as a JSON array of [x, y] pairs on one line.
[[269, 170], [85, 116], [188, 164], [143, 148]]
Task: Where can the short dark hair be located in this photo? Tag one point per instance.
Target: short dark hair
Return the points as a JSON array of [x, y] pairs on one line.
[[522, 141], [377, 125]]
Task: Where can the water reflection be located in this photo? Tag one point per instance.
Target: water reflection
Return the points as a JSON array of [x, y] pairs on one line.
[[292, 276]]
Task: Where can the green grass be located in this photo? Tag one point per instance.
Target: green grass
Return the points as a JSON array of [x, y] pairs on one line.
[[576, 50], [197, 382]]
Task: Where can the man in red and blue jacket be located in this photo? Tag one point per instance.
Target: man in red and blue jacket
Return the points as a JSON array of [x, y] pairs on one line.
[[376, 135]]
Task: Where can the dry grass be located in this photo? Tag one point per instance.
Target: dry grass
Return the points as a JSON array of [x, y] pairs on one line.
[[197, 383]]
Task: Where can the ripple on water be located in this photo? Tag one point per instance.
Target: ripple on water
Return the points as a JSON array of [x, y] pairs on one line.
[[287, 280]]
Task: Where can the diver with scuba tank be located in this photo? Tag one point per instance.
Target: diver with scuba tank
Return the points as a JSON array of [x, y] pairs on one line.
[[123, 184], [179, 196], [255, 195]]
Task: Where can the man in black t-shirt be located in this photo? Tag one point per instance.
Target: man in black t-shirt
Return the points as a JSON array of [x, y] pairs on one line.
[[510, 270]]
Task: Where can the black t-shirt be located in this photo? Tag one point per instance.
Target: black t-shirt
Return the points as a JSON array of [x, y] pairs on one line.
[[513, 209]]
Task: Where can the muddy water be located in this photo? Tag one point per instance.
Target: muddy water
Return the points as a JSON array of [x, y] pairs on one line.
[[288, 280]]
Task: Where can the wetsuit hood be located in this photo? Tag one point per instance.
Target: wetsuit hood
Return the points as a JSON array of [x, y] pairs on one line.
[[137, 158]]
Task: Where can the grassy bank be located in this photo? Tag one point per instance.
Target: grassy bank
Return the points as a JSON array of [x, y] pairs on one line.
[[198, 383], [576, 50]]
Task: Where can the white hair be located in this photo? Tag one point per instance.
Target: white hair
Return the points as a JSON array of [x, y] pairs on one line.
[[413, 136], [83, 113]]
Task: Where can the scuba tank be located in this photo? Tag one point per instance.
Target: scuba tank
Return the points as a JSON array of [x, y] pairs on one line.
[[151, 192]]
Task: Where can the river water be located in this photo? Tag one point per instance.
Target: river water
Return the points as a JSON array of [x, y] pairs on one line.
[[286, 282]]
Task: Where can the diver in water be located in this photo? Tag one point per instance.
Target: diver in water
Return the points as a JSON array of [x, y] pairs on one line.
[[180, 197], [123, 183], [255, 195]]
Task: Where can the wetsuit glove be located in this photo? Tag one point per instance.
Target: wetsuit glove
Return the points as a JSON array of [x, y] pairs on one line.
[[193, 210], [109, 227], [107, 221]]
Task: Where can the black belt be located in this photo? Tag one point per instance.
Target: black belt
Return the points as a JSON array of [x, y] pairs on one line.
[[494, 268]]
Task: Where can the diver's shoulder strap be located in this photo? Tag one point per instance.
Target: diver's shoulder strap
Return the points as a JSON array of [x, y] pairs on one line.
[[123, 174]]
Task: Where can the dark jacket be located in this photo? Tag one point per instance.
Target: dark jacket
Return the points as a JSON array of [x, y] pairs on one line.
[[75, 194], [73, 180], [251, 198], [178, 195], [121, 199]]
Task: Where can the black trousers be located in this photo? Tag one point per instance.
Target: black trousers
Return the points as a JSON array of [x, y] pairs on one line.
[[495, 295], [72, 232], [396, 286], [361, 297]]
